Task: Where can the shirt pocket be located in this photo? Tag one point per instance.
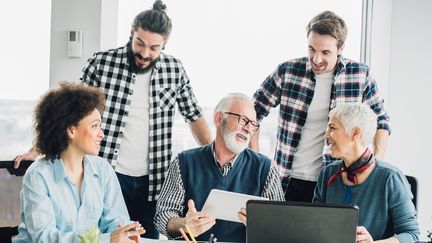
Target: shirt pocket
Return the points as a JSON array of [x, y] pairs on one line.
[[63, 217], [167, 99], [92, 215]]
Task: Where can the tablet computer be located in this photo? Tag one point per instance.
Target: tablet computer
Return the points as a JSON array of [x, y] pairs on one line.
[[225, 205]]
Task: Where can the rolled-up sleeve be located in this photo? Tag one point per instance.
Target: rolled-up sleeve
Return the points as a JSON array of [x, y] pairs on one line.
[[90, 72], [372, 97], [186, 100], [268, 95]]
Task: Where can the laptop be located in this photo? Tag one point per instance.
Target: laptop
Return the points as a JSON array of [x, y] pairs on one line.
[[292, 222]]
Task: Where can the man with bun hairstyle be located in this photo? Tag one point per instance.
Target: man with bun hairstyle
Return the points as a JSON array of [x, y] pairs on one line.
[[143, 85]]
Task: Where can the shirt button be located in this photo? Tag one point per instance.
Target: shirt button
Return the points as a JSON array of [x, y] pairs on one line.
[[116, 151], [125, 112]]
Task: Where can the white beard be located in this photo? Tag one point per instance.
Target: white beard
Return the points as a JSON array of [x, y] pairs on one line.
[[232, 144]]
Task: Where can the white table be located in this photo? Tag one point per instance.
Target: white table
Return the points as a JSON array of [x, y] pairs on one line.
[[145, 240]]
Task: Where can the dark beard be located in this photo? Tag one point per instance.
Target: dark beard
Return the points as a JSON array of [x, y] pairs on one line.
[[131, 59]]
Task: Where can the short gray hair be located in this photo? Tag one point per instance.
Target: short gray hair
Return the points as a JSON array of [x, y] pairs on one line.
[[360, 115], [226, 101]]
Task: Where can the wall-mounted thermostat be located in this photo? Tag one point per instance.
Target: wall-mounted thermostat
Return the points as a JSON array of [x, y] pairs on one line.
[[74, 43]]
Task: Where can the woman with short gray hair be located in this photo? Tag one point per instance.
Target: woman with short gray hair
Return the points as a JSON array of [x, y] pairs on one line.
[[379, 189]]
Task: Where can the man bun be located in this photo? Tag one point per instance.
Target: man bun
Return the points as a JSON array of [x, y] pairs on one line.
[[159, 6]]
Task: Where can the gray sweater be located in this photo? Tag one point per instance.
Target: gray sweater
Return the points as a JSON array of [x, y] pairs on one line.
[[384, 201]]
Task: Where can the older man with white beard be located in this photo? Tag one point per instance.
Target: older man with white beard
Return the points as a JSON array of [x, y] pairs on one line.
[[226, 164]]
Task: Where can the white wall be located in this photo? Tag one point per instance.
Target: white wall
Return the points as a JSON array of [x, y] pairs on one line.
[[400, 47], [380, 45], [109, 23], [409, 99], [70, 15]]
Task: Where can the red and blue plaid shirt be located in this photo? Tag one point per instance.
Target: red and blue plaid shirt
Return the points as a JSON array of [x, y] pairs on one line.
[[291, 86]]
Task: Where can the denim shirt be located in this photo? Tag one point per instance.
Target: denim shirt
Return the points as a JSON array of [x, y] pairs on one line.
[[53, 209]]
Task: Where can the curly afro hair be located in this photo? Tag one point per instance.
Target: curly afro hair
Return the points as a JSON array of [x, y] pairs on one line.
[[59, 109]]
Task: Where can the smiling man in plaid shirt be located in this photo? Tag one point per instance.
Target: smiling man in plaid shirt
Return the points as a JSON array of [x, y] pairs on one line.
[[305, 90], [142, 87]]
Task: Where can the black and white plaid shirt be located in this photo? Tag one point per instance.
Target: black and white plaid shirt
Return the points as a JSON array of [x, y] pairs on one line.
[[169, 85], [172, 199]]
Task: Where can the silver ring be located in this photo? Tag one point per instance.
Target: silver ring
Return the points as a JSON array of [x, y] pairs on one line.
[[127, 234]]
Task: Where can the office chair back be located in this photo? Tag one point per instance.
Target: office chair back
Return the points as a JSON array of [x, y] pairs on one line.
[[413, 183], [7, 232]]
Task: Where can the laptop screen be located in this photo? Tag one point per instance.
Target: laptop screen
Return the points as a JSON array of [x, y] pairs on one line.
[[293, 222]]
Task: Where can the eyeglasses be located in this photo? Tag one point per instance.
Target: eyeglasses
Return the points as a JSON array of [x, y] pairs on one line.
[[242, 120]]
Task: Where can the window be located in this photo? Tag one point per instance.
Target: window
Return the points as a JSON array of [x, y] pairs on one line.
[[25, 76]]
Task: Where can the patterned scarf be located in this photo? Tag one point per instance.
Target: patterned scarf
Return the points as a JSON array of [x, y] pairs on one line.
[[358, 166]]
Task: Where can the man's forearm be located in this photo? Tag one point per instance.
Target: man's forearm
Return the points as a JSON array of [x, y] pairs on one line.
[[380, 143], [201, 131]]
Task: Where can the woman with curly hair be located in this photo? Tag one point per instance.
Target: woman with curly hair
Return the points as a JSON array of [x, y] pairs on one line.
[[70, 189]]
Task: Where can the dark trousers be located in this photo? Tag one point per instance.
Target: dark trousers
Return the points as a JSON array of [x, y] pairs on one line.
[[135, 192], [300, 190]]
